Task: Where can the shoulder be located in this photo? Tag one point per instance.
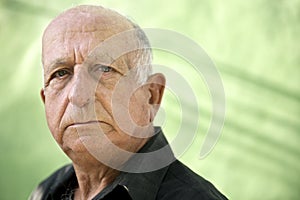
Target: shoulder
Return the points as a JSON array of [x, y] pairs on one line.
[[182, 183], [52, 183]]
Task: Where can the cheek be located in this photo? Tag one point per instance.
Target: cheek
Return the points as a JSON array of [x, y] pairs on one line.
[[55, 104], [51, 116], [102, 104], [139, 110]]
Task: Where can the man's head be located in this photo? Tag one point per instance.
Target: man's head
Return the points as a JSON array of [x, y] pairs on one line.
[[97, 79]]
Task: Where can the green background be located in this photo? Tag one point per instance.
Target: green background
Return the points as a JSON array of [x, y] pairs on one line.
[[255, 46]]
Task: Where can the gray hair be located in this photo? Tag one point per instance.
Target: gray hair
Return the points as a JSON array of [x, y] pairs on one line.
[[142, 59]]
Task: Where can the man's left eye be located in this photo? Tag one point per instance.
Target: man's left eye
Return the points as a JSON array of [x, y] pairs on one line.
[[104, 68]]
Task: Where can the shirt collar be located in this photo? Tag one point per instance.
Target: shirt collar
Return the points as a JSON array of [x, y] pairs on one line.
[[146, 185]]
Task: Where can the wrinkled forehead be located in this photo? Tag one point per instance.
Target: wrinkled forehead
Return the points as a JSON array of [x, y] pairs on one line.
[[88, 19], [83, 29]]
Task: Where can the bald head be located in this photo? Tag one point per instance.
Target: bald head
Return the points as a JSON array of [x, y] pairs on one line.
[[88, 19], [80, 30]]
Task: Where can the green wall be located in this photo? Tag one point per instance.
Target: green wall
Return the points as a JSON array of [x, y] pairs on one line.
[[255, 46]]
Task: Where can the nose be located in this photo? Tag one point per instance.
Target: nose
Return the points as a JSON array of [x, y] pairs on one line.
[[81, 91]]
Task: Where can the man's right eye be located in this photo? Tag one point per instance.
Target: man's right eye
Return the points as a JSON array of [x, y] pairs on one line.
[[60, 73]]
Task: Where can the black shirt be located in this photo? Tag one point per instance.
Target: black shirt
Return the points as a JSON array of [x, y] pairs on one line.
[[173, 182]]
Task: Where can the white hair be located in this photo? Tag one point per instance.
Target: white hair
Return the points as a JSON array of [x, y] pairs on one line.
[[142, 60]]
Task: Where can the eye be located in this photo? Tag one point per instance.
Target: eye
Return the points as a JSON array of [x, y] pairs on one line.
[[102, 72], [60, 73], [103, 68]]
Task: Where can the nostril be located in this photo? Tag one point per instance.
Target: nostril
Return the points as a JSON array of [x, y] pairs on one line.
[[79, 100], [79, 97]]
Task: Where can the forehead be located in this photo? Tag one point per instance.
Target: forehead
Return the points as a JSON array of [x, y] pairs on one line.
[[90, 18], [77, 32]]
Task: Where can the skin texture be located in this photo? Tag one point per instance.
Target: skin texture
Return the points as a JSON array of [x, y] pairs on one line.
[[86, 89]]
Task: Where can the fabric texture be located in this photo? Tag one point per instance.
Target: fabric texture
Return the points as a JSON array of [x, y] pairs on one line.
[[173, 182]]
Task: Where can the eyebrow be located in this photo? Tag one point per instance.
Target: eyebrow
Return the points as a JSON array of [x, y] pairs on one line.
[[106, 59], [56, 63]]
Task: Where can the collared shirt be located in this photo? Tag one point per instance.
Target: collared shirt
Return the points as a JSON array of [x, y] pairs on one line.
[[172, 182]]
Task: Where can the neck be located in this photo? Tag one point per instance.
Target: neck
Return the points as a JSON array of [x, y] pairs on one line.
[[93, 179]]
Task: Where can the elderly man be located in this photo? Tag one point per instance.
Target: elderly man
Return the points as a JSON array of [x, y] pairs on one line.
[[100, 100]]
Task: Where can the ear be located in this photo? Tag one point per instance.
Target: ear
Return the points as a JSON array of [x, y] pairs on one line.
[[42, 93], [156, 86]]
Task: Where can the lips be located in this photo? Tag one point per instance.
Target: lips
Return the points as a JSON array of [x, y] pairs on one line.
[[91, 122], [83, 123]]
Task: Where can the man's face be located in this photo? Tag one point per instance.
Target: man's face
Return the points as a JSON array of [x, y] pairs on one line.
[[85, 87]]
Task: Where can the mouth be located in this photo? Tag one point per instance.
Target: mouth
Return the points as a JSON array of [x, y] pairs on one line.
[[103, 126], [76, 124]]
